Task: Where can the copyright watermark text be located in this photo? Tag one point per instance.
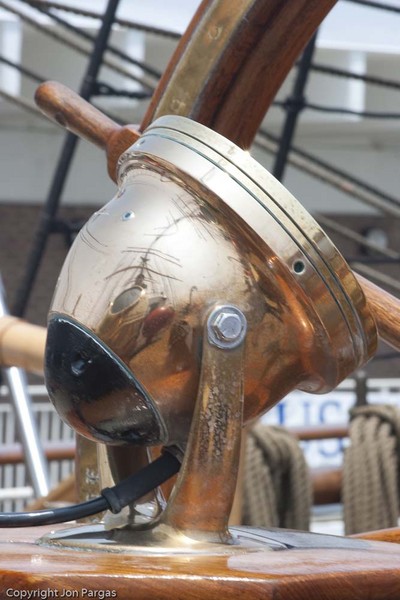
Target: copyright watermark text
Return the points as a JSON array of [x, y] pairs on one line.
[[47, 593]]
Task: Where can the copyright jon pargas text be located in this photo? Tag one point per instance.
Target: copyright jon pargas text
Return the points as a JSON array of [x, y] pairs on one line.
[[47, 593]]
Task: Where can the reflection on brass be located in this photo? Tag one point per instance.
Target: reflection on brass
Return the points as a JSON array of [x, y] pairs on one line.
[[197, 224], [115, 464], [86, 472]]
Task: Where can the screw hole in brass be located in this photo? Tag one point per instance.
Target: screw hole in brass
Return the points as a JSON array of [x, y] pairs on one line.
[[299, 267]]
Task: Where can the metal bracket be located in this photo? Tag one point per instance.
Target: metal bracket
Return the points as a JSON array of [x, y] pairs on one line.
[[201, 501]]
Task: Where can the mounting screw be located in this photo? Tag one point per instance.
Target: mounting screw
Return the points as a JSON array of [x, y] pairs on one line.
[[226, 327], [128, 215]]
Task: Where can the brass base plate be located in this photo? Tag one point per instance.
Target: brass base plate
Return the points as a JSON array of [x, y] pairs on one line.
[[161, 540]]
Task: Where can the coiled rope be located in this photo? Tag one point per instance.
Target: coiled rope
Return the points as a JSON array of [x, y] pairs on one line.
[[371, 494], [277, 486]]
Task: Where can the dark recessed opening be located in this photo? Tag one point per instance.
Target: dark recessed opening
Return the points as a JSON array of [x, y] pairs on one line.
[[299, 267]]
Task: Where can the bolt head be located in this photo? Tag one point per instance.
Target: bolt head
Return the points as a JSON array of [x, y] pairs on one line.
[[227, 326]]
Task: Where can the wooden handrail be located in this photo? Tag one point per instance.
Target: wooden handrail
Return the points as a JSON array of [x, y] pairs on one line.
[[12, 454], [319, 432], [326, 485], [22, 344]]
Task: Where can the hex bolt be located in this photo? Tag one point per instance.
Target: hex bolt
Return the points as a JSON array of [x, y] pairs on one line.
[[226, 327]]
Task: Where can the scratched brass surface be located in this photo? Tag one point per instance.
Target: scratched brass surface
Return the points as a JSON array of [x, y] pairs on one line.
[[211, 460], [196, 222]]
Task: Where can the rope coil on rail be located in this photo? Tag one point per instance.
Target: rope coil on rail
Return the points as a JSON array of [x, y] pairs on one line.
[[277, 485], [371, 490]]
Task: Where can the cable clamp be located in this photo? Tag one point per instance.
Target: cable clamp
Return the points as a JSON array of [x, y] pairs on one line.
[[113, 500]]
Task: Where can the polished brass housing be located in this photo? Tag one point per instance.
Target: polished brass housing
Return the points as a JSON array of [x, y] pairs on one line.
[[197, 223]]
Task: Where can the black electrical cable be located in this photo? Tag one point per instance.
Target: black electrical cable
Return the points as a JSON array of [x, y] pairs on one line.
[[129, 490]]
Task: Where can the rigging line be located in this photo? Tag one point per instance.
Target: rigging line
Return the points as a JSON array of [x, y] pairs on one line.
[[66, 154], [104, 89], [349, 181], [371, 260], [356, 237], [329, 175], [388, 356], [123, 22], [30, 107], [111, 91], [72, 45], [83, 34], [376, 275], [293, 108], [24, 104], [303, 104], [348, 111], [389, 7], [21, 69], [370, 79]]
